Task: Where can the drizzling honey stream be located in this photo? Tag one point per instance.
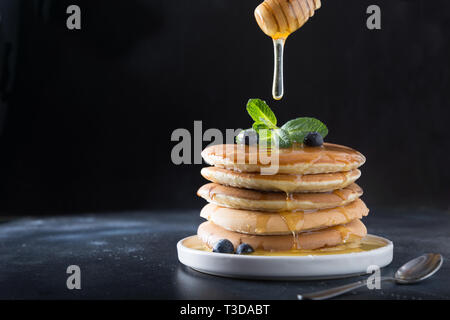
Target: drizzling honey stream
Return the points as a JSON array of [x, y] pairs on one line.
[[278, 19]]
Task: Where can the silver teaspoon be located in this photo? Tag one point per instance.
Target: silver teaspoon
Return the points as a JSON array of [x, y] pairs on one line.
[[413, 271]]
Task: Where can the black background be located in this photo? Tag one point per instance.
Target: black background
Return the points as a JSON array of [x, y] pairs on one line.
[[90, 112]]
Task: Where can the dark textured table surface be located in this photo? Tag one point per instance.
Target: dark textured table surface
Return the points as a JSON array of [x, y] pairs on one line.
[[133, 255]]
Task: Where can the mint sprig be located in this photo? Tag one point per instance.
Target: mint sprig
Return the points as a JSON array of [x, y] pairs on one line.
[[261, 113], [281, 138], [265, 124], [300, 127]]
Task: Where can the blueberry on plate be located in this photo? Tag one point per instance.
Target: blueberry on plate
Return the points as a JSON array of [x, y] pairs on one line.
[[244, 248], [223, 246], [313, 139]]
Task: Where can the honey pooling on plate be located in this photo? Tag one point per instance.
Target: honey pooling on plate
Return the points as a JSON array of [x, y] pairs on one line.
[[368, 243], [278, 19]]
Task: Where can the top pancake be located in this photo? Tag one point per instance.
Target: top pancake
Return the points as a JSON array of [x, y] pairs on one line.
[[298, 159]]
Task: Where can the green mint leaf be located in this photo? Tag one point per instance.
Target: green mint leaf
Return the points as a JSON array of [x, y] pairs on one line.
[[300, 127], [257, 126], [260, 112], [281, 138], [275, 138]]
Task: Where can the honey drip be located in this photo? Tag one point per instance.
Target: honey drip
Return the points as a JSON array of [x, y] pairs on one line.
[[261, 223], [289, 199], [346, 234], [278, 82], [294, 220], [340, 194], [278, 19], [344, 213]]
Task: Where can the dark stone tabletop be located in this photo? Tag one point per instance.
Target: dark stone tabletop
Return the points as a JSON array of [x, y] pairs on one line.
[[132, 255]]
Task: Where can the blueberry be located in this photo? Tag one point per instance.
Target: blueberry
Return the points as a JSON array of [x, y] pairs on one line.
[[223, 246], [244, 248], [247, 137], [313, 139]]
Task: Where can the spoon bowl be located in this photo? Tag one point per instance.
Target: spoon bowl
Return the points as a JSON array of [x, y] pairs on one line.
[[419, 268]]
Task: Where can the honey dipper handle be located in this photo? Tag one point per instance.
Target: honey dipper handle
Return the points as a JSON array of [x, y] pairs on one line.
[[278, 86]]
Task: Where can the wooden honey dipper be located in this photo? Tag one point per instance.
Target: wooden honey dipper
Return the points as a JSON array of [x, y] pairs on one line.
[[278, 19]]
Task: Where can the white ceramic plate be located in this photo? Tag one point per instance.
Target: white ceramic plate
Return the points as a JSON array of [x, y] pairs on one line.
[[285, 267]]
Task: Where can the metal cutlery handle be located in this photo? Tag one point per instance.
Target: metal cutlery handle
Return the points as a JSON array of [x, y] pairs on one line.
[[337, 291]]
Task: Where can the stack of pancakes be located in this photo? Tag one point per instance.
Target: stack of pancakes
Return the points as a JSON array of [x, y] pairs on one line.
[[310, 203]]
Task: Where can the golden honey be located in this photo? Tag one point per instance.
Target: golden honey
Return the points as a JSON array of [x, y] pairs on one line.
[[261, 223], [368, 243]]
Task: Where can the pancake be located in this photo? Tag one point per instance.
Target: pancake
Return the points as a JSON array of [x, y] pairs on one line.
[[298, 159], [282, 182], [263, 223], [210, 233], [236, 198]]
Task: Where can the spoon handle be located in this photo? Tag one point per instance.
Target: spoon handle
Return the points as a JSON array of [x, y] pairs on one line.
[[336, 291]]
